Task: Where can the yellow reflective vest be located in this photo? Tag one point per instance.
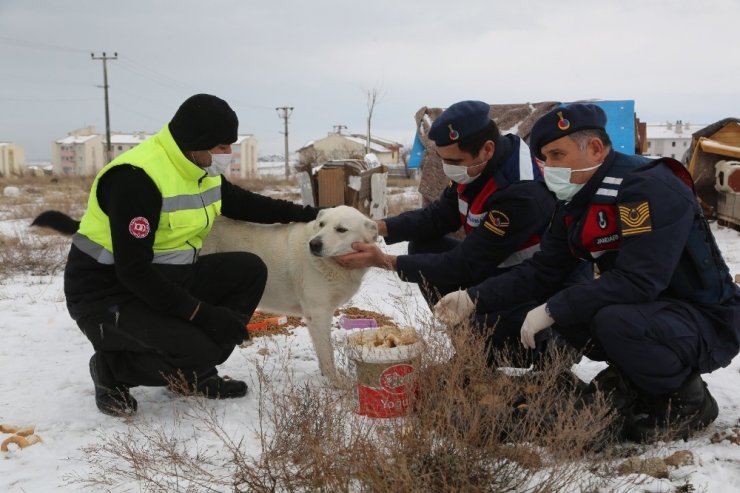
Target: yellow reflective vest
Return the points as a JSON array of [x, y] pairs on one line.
[[190, 202]]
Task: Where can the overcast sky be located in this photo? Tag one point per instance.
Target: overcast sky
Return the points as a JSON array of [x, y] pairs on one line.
[[677, 59]]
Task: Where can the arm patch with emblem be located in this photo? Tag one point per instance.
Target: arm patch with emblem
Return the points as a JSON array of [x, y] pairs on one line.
[[497, 222], [635, 218]]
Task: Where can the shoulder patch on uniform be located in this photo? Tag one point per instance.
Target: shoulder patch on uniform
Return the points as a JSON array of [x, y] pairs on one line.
[[139, 227], [497, 222], [635, 218]]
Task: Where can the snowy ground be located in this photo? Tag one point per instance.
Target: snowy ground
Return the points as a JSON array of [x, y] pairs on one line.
[[44, 381]]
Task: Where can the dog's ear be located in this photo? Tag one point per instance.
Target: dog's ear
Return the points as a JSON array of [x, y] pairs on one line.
[[321, 213]]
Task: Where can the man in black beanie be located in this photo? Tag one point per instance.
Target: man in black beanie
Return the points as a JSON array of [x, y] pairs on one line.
[[153, 310]]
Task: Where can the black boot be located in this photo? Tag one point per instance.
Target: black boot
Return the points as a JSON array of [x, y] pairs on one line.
[[678, 414], [212, 386], [620, 394], [111, 397], [217, 387]]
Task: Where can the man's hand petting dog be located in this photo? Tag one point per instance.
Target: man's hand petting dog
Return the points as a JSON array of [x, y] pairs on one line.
[[366, 255]]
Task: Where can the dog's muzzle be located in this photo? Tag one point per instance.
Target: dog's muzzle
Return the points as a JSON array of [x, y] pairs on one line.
[[316, 245]]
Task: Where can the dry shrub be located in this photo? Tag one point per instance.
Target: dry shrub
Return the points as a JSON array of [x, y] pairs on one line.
[[38, 194], [38, 252], [468, 431], [34, 255]]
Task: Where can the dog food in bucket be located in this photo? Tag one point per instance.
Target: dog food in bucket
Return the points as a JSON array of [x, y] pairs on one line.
[[386, 360]]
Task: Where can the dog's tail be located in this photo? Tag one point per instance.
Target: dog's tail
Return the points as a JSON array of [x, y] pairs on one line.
[[58, 221]]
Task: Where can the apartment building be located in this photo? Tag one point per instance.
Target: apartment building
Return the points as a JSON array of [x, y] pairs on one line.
[[83, 152], [670, 139], [244, 157], [12, 159]]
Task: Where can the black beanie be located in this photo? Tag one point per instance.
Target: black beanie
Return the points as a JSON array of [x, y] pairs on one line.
[[203, 122]]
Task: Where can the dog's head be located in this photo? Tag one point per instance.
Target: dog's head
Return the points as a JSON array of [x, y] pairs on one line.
[[337, 228]]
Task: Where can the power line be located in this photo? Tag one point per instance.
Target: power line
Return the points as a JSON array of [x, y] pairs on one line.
[[126, 108], [39, 46], [150, 74], [45, 100], [141, 70]]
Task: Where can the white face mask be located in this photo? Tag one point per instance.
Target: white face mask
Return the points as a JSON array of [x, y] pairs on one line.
[[558, 181], [219, 164], [459, 174]]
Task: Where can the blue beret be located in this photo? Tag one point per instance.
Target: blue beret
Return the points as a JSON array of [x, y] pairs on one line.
[[564, 120], [458, 121]]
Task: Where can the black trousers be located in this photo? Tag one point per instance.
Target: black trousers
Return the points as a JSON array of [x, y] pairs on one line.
[[656, 344], [142, 346]]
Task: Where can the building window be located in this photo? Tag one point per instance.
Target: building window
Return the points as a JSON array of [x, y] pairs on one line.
[[685, 144], [650, 144], [673, 156], [673, 144]]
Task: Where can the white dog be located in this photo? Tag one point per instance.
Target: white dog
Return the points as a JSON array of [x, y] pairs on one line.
[[302, 279]]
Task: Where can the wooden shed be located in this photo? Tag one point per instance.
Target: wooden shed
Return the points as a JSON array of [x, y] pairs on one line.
[[714, 163]]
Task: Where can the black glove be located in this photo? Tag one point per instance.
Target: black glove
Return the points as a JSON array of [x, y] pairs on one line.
[[224, 325]]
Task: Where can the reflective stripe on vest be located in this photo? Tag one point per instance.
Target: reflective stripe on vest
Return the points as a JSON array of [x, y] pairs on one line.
[[181, 202], [103, 256], [472, 214], [597, 228], [191, 200]]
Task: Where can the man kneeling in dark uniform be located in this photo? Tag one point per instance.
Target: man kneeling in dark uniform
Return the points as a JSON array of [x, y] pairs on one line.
[[663, 310], [496, 195]]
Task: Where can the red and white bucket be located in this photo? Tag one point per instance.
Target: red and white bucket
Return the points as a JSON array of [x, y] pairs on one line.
[[386, 377]]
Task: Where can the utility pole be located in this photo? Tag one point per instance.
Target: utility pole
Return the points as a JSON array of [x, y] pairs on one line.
[[284, 113], [105, 59]]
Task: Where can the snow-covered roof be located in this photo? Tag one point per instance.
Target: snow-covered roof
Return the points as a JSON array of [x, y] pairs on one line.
[[133, 139], [669, 130], [76, 139], [242, 138], [373, 146], [376, 143], [307, 144], [379, 140]]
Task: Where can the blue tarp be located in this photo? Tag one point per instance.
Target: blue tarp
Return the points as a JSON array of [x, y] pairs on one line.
[[417, 151], [620, 124]]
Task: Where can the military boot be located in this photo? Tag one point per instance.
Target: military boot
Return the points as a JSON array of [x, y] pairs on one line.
[[674, 415], [111, 397], [217, 387], [620, 394], [209, 385]]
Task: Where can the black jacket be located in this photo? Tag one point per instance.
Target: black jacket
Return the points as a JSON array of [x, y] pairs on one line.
[[527, 206], [125, 192], [671, 256]]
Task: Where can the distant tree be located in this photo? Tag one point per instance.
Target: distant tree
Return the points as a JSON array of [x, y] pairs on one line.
[[310, 157], [405, 155], [374, 96]]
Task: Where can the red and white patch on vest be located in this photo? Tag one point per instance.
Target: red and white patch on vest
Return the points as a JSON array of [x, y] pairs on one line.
[[139, 227]]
